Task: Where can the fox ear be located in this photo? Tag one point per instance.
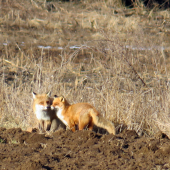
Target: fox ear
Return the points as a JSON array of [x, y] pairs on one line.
[[49, 94], [34, 95], [62, 99]]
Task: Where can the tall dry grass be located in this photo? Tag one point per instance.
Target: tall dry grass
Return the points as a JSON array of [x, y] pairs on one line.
[[124, 87], [120, 67]]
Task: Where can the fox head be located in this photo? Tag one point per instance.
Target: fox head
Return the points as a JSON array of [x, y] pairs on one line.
[[59, 102], [42, 101]]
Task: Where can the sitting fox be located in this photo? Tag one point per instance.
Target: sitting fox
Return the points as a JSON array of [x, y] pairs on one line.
[[46, 117], [81, 114]]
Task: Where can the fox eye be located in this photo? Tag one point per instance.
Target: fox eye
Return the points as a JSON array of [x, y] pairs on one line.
[[41, 103], [48, 102]]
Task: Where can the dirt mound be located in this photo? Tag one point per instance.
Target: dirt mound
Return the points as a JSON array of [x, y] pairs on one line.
[[82, 150]]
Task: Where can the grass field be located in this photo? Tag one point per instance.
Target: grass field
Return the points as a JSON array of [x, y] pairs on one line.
[[116, 58]]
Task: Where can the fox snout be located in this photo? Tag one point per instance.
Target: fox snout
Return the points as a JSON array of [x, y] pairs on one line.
[[48, 107], [53, 107]]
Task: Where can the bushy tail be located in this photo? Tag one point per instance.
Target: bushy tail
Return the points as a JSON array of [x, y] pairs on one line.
[[102, 122]]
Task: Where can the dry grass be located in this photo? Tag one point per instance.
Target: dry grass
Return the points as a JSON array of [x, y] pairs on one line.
[[120, 67]]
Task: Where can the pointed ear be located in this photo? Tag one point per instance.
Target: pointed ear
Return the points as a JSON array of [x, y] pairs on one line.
[[34, 95], [49, 94], [61, 98]]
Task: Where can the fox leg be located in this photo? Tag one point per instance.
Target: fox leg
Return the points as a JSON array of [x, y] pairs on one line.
[[47, 125], [84, 121], [90, 125], [57, 124], [72, 127], [82, 125], [41, 125], [54, 125]]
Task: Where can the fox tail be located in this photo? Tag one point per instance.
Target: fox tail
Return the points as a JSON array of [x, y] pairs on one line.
[[102, 122]]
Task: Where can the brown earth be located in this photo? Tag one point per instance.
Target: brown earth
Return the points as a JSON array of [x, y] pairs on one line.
[[26, 25], [82, 150]]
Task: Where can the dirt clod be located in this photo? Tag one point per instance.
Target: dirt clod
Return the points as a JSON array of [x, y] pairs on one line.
[[81, 150]]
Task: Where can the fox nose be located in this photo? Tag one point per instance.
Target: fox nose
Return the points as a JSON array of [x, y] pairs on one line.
[[48, 107]]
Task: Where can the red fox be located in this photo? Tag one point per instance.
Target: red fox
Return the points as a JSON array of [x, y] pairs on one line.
[[42, 109], [81, 114]]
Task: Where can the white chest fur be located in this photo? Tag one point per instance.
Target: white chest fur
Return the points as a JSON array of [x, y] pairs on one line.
[[42, 112], [61, 117]]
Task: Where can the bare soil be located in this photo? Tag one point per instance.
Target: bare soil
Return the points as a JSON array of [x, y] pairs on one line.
[[82, 150], [31, 36]]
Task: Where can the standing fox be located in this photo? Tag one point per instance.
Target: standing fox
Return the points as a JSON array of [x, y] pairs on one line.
[[42, 109], [81, 114]]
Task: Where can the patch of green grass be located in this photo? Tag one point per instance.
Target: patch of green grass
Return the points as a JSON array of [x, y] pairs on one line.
[[2, 140]]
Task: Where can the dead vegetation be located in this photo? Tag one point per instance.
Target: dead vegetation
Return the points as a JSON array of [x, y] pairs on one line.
[[121, 65]]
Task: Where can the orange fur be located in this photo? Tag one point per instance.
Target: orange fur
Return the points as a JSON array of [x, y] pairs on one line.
[[42, 109], [81, 114]]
